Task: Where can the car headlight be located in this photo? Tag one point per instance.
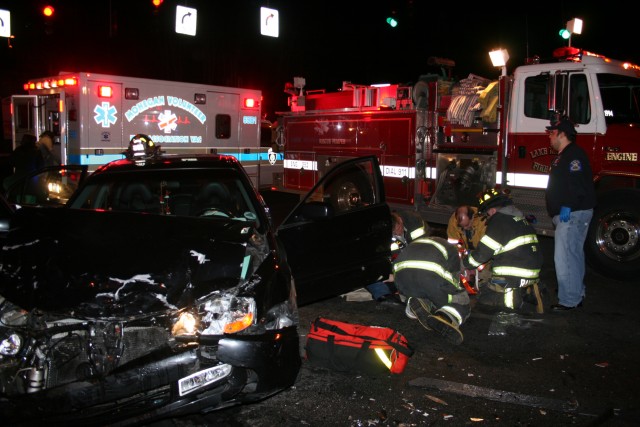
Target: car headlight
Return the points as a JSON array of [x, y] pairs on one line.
[[10, 345], [217, 315]]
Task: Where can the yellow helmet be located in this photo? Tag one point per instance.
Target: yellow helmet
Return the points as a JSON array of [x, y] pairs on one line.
[[492, 198]]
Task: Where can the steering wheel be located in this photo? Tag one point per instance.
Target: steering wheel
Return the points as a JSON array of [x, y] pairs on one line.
[[215, 211]]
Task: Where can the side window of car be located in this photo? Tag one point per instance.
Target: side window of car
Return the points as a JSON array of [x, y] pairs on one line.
[[348, 187]]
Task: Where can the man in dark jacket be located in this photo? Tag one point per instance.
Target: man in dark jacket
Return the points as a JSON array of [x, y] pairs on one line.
[[570, 202], [23, 160], [511, 243]]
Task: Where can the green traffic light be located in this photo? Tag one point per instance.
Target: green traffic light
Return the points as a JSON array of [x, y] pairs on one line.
[[392, 22], [565, 34]]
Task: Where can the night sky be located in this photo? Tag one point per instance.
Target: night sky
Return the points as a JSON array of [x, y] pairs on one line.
[[327, 42]]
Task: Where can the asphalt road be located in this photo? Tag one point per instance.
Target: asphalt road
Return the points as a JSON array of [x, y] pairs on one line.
[[577, 368]]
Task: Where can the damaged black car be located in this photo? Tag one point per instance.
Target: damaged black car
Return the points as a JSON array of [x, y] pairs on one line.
[[160, 287]]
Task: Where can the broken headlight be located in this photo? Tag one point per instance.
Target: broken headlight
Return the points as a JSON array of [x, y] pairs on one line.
[[216, 315]]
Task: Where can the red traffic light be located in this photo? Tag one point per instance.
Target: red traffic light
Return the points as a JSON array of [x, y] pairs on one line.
[[157, 3], [48, 11]]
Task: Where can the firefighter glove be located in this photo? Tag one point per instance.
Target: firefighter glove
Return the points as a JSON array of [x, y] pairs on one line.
[[565, 214]]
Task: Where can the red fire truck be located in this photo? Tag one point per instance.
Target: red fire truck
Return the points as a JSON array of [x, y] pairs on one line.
[[440, 142]]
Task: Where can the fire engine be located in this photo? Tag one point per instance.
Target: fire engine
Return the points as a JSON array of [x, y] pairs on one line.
[[441, 141], [94, 116]]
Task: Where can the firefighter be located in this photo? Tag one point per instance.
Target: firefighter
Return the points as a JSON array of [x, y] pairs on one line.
[[428, 273], [511, 244], [466, 227], [405, 227]]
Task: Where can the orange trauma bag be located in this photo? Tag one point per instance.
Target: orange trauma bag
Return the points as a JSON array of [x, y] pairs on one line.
[[348, 347]]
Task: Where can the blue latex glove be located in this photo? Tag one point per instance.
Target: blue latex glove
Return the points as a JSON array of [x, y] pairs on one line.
[[565, 214]]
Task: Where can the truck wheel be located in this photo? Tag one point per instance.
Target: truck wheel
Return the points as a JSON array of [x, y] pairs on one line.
[[351, 191], [613, 241]]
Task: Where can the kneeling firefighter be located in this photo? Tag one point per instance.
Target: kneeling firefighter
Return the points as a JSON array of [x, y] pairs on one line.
[[428, 272], [511, 243]]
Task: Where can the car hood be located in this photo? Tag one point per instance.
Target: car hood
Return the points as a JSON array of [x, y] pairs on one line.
[[116, 263]]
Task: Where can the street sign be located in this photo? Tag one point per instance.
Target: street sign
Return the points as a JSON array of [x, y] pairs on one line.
[[186, 20], [269, 22], [5, 23]]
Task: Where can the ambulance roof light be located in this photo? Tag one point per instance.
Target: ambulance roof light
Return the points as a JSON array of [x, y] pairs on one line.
[[251, 103], [105, 91]]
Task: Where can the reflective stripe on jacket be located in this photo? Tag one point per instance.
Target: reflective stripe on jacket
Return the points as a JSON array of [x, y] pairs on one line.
[[512, 245]]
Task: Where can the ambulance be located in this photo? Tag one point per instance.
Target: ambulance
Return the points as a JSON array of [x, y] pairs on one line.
[[94, 116]]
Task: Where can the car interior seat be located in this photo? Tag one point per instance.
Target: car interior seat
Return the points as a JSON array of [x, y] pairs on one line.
[[138, 197], [214, 195]]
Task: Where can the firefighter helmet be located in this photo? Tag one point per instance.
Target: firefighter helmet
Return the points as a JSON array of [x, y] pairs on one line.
[[492, 198], [141, 147], [414, 225]]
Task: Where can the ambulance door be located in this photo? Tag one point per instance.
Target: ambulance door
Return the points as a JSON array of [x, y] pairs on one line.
[[25, 119], [104, 119], [230, 131]]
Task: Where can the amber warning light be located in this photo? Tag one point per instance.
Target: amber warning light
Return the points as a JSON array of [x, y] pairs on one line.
[[105, 91], [51, 83]]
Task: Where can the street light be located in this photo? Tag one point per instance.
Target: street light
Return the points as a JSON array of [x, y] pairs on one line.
[[499, 58]]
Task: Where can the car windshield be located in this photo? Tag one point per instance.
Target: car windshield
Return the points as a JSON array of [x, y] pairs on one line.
[[193, 193]]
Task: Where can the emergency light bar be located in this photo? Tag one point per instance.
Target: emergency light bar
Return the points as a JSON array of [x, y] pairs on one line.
[[51, 83]]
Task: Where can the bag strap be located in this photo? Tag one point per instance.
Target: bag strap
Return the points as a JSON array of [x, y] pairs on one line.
[[404, 349]]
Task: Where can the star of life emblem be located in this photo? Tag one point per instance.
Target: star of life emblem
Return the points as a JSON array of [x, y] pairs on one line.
[[168, 121]]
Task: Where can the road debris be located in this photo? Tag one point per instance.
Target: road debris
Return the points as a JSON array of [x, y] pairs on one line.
[[495, 395]]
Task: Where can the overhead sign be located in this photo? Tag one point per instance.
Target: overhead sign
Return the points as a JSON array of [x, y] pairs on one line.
[[5, 23], [186, 20], [269, 22]]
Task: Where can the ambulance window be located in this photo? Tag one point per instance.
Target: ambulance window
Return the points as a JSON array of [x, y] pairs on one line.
[[223, 126], [536, 96], [579, 100], [620, 98]]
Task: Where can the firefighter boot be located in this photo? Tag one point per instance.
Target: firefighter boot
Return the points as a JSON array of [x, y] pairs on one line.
[[419, 309], [447, 326]]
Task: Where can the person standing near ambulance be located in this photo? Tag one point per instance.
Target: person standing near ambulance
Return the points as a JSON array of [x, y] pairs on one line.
[[45, 145], [570, 200]]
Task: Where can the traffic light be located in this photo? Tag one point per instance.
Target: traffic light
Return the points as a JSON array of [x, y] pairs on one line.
[[564, 33], [157, 3], [392, 21], [48, 11]]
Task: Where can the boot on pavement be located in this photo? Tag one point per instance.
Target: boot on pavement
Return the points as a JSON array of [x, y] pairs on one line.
[[418, 309], [445, 326]]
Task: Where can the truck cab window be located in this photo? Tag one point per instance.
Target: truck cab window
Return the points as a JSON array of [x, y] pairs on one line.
[[536, 90], [620, 98], [579, 100]]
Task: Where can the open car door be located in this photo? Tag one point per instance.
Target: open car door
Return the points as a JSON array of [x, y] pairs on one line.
[[337, 238], [51, 186]]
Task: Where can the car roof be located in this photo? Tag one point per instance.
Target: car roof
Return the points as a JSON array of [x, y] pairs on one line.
[[172, 161]]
